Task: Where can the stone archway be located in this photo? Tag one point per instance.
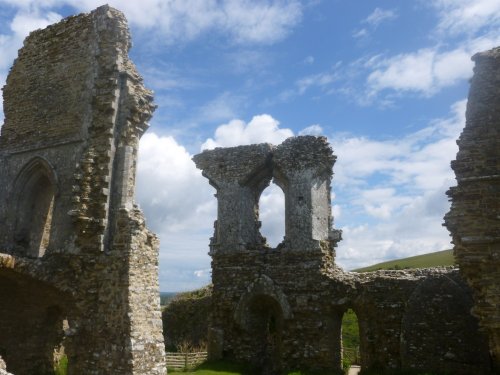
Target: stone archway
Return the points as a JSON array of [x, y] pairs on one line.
[[32, 329], [34, 194], [265, 317], [262, 311]]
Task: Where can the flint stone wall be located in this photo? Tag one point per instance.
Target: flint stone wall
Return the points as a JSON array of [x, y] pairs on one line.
[[281, 309], [78, 267], [474, 217]]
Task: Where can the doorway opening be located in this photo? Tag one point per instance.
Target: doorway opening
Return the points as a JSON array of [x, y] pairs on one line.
[[350, 340]]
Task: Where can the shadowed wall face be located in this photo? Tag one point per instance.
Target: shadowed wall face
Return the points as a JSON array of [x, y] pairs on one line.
[[35, 209], [474, 220]]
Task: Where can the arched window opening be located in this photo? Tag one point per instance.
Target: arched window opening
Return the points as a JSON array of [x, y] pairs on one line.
[[272, 215], [35, 209], [350, 340]]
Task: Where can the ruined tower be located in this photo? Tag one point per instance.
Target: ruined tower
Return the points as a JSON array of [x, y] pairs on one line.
[[263, 298], [78, 267], [474, 217]]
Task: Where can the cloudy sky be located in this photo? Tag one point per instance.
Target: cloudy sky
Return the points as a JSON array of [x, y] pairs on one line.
[[385, 81]]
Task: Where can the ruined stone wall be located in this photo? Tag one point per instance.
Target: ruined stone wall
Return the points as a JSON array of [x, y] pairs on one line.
[[185, 319], [418, 319], [75, 109], [474, 219], [282, 308]]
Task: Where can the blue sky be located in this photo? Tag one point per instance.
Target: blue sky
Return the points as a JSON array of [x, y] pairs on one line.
[[385, 81]]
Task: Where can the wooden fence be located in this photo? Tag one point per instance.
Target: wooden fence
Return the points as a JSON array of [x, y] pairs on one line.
[[185, 361]]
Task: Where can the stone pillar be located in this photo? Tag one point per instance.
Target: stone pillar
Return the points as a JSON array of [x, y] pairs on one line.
[[303, 169], [239, 174], [473, 219]]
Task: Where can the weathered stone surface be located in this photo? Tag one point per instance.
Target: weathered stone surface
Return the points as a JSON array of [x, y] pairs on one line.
[[3, 368], [282, 308], [78, 267], [474, 217]]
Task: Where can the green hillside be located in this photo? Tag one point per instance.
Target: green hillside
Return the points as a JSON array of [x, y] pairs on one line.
[[439, 258], [166, 297]]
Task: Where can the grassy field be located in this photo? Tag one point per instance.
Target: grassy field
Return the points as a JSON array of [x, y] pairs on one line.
[[439, 258]]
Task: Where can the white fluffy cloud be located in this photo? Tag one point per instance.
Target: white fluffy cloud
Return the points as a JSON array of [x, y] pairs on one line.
[[467, 16], [261, 129], [315, 129], [243, 21], [166, 175], [392, 193], [427, 70], [180, 206], [447, 61]]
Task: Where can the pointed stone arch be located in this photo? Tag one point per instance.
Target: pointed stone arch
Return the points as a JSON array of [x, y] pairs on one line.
[[33, 199]]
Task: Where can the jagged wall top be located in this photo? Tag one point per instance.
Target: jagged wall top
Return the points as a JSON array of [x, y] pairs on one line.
[[301, 166], [75, 105], [50, 92]]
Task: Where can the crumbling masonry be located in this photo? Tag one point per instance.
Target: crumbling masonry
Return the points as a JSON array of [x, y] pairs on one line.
[[78, 268], [474, 217], [281, 309]]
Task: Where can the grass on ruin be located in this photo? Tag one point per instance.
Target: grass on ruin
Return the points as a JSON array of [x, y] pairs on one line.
[[231, 368], [398, 372], [218, 368], [439, 258], [61, 368]]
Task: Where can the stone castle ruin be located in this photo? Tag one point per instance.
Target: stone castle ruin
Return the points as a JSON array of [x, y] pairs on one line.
[[281, 309], [78, 267]]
